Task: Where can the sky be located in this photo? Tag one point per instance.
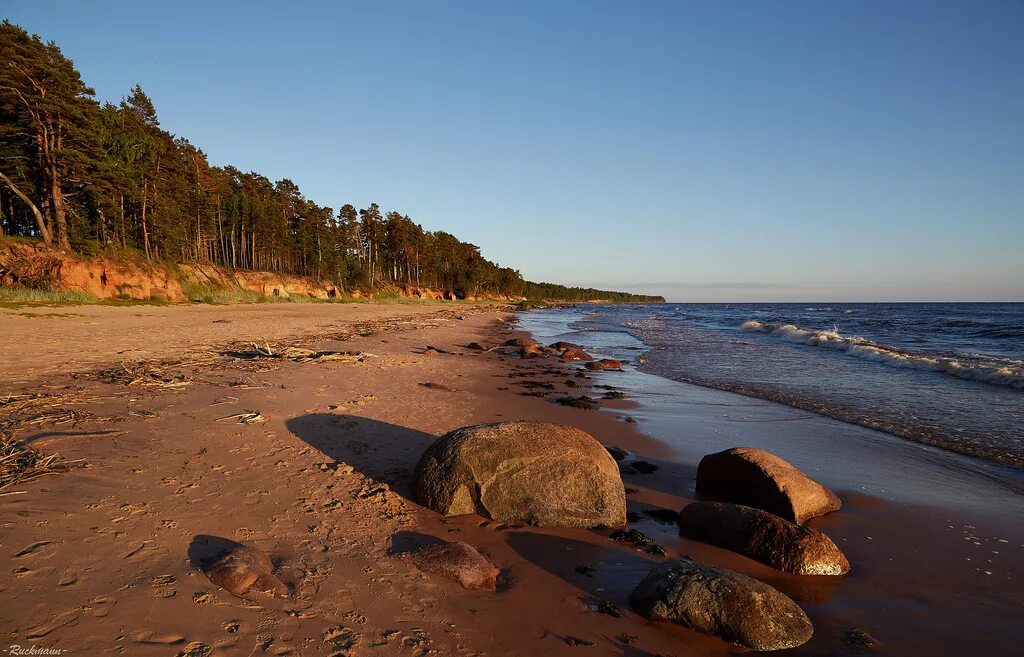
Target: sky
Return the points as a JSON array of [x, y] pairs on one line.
[[712, 151]]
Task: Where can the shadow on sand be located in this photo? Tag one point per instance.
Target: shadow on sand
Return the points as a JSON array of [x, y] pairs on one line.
[[383, 451]]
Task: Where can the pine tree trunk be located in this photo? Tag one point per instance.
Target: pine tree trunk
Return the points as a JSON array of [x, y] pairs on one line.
[[40, 222]]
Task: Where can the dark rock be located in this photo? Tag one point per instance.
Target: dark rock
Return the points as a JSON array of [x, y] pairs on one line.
[[663, 516], [584, 402], [719, 602], [632, 516], [644, 467], [561, 346], [758, 478], [575, 641], [533, 473], [476, 346], [631, 536], [585, 570], [437, 386], [460, 562], [603, 607], [630, 419], [763, 537], [618, 453], [571, 384], [859, 639], [614, 394], [522, 342]]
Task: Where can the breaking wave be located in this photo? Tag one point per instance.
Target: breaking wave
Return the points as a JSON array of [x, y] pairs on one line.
[[1003, 375]]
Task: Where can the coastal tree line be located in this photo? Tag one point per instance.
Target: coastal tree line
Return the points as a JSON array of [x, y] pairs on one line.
[[95, 177]]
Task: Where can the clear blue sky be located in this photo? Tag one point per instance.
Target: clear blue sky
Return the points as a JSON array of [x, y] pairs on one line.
[[709, 151]]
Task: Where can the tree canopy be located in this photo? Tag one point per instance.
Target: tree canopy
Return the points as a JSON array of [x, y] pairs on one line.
[[88, 176]]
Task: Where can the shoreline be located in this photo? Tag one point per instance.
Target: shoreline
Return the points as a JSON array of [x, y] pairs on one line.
[[308, 486]]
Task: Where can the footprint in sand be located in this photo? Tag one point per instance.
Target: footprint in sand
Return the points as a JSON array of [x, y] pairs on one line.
[[60, 620], [31, 549], [203, 598], [100, 605], [196, 649], [148, 636]]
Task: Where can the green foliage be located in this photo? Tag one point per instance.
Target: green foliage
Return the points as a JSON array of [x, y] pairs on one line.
[[21, 296], [109, 180]]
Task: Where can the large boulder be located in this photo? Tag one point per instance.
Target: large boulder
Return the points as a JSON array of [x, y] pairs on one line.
[[758, 478], [535, 473], [764, 537], [460, 562], [719, 602]]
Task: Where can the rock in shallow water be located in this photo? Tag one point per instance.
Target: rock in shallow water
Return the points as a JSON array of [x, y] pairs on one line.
[[758, 478], [576, 354], [460, 562], [719, 602], [763, 537], [535, 473]]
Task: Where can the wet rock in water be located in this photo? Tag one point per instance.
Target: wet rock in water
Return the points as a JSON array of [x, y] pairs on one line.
[[614, 394], [576, 354], [561, 346], [584, 402], [603, 607], [644, 467], [859, 639], [604, 364], [522, 342], [631, 536], [629, 419], [764, 537], [460, 562], [722, 603], [758, 478], [632, 516], [243, 568], [618, 453], [662, 516], [531, 351], [571, 384], [534, 473]]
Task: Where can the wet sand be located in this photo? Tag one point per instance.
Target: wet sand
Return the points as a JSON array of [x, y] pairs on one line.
[[100, 560]]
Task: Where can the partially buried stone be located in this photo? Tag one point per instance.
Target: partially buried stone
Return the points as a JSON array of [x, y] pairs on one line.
[[722, 603], [460, 562]]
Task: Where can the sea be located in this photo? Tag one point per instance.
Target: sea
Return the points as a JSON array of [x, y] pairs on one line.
[[948, 375]]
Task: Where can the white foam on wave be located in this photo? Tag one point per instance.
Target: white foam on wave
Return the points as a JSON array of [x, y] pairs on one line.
[[1003, 375]]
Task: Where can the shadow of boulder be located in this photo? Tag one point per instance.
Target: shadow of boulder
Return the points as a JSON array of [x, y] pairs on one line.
[[385, 452]]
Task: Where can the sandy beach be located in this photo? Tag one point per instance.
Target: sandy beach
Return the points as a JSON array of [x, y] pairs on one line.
[[174, 443]]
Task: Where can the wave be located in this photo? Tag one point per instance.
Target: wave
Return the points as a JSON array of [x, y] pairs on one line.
[[1003, 375]]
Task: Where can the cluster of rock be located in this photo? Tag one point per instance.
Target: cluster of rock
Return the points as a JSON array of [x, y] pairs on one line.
[[546, 474], [566, 351]]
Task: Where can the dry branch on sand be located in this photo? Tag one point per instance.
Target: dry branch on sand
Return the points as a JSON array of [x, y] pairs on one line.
[[248, 417], [142, 374], [20, 463], [297, 354]]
